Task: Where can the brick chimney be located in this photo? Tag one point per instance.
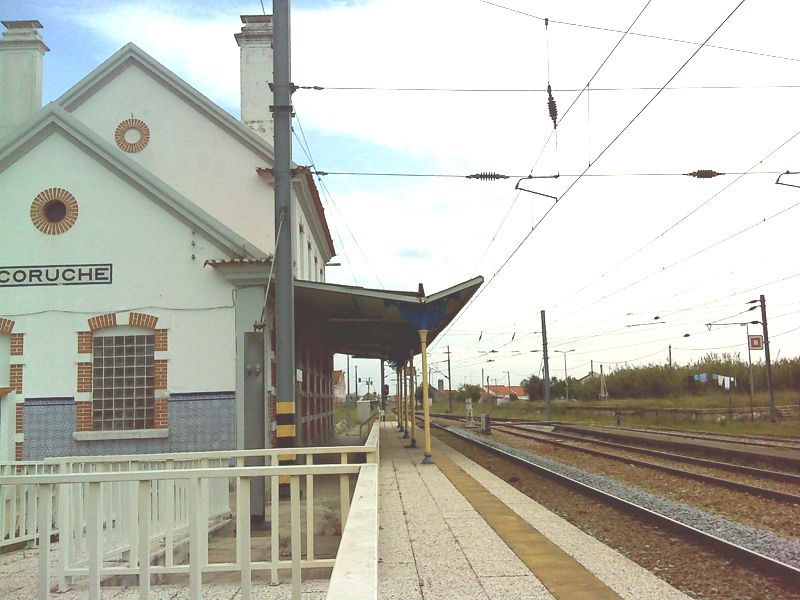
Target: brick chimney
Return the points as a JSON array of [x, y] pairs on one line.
[[21, 58], [255, 43]]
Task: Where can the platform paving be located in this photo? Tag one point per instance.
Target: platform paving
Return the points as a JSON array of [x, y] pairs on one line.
[[434, 544]]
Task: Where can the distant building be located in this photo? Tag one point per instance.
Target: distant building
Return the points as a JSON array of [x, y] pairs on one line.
[[503, 392], [339, 387]]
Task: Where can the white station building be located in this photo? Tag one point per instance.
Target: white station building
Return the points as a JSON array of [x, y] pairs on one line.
[[136, 239]]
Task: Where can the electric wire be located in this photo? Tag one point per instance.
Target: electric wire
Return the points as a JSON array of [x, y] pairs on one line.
[[483, 288], [555, 123], [307, 151], [739, 177], [642, 88], [329, 196], [646, 35], [500, 177]]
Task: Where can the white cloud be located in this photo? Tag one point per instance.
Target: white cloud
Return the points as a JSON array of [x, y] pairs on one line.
[[451, 43]]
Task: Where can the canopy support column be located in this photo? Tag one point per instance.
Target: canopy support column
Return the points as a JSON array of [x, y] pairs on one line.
[[423, 339]]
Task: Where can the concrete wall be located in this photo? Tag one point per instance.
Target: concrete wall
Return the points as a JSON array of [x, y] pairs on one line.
[[189, 152], [157, 269]]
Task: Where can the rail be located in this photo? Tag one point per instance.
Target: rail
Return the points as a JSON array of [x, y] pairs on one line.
[[135, 514]]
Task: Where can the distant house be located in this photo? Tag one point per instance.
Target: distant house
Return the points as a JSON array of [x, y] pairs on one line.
[[339, 387], [503, 392], [590, 375]]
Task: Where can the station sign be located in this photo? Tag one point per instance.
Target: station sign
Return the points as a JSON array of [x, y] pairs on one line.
[[43, 275], [756, 342]]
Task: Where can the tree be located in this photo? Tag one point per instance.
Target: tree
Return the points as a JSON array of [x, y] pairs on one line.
[[468, 390], [533, 385]]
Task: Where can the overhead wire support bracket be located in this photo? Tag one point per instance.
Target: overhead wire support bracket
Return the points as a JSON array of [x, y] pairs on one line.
[[522, 189], [779, 182]]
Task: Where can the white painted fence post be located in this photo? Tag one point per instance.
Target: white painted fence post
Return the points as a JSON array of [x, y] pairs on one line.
[[195, 573], [94, 539], [243, 533], [169, 517], [344, 493], [144, 540], [294, 498], [45, 495], [309, 511], [274, 527]]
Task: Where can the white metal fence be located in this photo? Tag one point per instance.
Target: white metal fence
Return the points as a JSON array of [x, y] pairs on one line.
[[127, 515]]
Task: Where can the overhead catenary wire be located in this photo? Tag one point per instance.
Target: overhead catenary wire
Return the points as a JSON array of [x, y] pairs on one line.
[[645, 35], [602, 152], [499, 176], [551, 104], [510, 90], [683, 218], [307, 151]]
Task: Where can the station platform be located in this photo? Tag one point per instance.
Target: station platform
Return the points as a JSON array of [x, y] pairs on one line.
[[455, 530]]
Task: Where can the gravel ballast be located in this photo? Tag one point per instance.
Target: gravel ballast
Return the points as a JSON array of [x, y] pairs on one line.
[[758, 540]]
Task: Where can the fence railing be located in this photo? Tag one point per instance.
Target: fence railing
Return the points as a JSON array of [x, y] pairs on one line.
[[127, 515]]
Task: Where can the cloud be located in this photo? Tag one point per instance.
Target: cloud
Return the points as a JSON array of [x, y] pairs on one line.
[[577, 261]]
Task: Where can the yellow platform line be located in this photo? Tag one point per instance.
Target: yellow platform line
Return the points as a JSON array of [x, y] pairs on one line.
[[561, 574]]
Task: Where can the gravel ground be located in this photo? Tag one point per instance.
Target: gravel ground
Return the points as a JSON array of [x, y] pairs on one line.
[[679, 559], [776, 442], [759, 540], [762, 513]]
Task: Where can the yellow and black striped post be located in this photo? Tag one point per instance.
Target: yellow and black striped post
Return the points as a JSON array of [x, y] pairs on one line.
[[284, 435]]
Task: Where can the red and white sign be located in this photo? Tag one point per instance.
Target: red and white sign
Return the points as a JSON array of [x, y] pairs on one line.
[[756, 342]]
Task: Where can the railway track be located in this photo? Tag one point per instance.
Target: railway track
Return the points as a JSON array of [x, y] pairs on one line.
[[776, 442], [781, 476], [767, 564], [521, 432]]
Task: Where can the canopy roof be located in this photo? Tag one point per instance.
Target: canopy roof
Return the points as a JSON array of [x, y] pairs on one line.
[[368, 323]]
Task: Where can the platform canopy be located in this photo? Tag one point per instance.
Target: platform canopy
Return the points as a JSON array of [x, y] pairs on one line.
[[368, 323]]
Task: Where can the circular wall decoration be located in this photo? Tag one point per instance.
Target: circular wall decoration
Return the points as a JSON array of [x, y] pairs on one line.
[[54, 211], [132, 135]]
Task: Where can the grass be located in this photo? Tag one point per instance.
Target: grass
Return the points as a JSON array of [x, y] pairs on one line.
[[522, 409]]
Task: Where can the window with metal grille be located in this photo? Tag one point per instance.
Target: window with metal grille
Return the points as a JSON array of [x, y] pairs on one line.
[[123, 376]]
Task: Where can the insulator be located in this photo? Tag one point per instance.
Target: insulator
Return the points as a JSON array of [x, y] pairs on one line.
[[487, 176], [551, 106], [704, 174]]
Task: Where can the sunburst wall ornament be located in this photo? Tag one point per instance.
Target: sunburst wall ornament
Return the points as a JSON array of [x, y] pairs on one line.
[[132, 135], [54, 211]]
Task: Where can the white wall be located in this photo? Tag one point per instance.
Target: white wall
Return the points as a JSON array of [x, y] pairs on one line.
[[189, 152], [154, 272]]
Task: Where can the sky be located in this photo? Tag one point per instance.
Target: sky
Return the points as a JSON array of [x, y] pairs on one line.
[[618, 249]]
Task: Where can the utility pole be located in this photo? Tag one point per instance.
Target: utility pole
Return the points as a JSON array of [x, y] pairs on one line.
[[479, 399], [348, 376], [449, 382], [383, 396], [284, 222], [356, 383], [750, 369], [670, 356], [773, 416], [546, 370]]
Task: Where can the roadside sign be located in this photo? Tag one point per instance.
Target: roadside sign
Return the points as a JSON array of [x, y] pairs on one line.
[[756, 342]]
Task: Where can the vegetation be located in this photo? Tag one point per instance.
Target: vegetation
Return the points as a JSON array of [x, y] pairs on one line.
[[662, 381]]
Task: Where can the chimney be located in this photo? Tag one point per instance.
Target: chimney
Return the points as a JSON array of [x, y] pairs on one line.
[[255, 43], [21, 57], [440, 385]]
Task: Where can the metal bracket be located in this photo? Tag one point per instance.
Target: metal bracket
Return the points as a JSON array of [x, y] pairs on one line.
[[516, 187], [779, 182]]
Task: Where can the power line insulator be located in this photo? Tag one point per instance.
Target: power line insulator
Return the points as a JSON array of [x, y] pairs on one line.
[[551, 106], [487, 176], [704, 174]]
